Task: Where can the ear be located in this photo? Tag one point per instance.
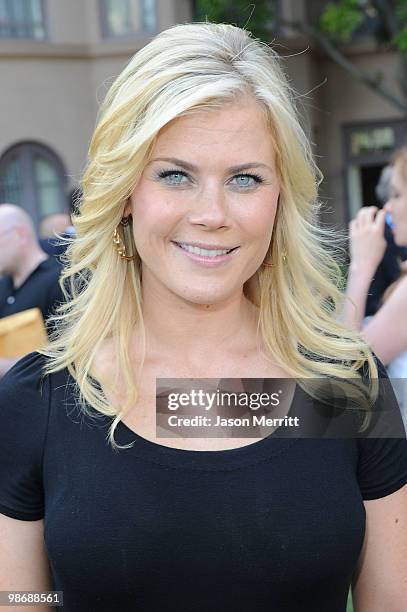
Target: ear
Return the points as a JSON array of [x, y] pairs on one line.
[[128, 209]]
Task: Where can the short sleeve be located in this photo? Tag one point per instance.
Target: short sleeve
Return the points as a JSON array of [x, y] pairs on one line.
[[382, 464], [24, 411]]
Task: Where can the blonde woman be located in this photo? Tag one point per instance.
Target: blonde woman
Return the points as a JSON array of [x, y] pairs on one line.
[[198, 255], [384, 332]]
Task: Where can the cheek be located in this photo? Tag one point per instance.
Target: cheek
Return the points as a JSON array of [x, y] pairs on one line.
[[261, 223], [153, 218]]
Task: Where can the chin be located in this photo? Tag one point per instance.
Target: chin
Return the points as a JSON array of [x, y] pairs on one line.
[[203, 298]]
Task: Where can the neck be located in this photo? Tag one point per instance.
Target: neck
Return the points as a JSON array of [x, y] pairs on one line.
[[27, 266], [196, 332]]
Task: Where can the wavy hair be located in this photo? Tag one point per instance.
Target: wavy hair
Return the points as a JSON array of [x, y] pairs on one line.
[[188, 67]]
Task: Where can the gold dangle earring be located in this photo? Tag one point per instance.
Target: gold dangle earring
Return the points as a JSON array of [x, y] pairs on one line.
[[268, 264], [123, 239]]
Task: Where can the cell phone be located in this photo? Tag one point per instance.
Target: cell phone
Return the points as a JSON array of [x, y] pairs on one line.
[[402, 251]]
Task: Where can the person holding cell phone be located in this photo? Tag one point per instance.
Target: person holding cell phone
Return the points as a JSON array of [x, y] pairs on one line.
[[386, 331]]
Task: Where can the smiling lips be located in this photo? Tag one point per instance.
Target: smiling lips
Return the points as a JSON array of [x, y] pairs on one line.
[[205, 247], [208, 256]]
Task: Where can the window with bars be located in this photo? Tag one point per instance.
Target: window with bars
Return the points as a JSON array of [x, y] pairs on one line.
[[122, 18], [22, 19]]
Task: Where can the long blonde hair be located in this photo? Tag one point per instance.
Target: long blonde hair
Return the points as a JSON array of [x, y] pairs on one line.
[[187, 67]]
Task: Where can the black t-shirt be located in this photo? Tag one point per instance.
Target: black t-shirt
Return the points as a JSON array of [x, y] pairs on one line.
[[388, 271], [275, 525], [40, 290]]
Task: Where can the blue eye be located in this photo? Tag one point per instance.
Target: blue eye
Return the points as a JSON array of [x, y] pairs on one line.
[[175, 178], [255, 177], [163, 174]]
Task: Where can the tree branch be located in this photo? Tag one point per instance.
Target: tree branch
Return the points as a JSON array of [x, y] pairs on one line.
[[339, 58], [388, 15]]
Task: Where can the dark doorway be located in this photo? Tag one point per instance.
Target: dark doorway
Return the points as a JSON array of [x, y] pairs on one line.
[[370, 177]]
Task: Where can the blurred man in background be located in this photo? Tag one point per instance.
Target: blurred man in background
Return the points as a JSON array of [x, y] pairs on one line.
[[53, 226], [28, 276]]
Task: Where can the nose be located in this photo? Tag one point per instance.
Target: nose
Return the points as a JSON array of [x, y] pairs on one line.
[[210, 208]]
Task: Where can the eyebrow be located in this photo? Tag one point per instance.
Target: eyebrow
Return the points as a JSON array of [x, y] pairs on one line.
[[192, 168]]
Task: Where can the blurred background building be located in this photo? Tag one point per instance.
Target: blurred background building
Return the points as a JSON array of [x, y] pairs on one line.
[[58, 58]]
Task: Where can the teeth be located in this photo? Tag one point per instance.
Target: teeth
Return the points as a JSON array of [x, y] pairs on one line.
[[204, 252]]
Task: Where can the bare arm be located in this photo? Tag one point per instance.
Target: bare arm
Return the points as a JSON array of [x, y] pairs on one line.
[[23, 560], [380, 581], [386, 332], [357, 288]]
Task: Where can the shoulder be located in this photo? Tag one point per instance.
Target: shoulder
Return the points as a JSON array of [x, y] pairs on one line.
[[48, 275], [381, 370], [27, 374], [53, 265], [5, 281], [24, 416], [382, 464], [50, 267], [24, 390]]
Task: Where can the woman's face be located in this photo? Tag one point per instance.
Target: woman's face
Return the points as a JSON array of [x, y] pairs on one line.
[[397, 205], [211, 182]]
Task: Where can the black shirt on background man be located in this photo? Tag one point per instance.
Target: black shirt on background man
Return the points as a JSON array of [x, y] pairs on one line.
[[40, 290]]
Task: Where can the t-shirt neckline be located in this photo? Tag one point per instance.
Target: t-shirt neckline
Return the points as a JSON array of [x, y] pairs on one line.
[[207, 459]]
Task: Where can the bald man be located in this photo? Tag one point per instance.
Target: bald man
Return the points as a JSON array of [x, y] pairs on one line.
[[28, 276]]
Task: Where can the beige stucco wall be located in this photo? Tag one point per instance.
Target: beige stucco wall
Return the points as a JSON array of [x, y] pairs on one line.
[[54, 88], [79, 21], [76, 21], [344, 100], [49, 102], [299, 68]]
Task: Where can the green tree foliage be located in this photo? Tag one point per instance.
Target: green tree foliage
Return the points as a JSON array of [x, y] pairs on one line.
[[400, 37], [340, 19], [338, 23], [256, 17]]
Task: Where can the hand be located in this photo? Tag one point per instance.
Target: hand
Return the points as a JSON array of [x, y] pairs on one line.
[[367, 241]]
